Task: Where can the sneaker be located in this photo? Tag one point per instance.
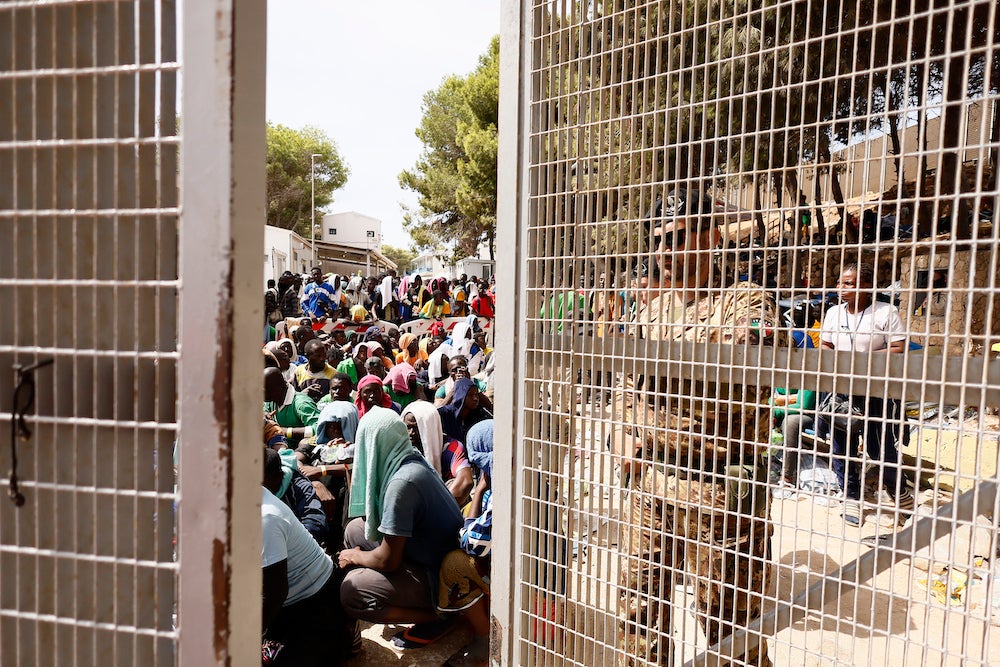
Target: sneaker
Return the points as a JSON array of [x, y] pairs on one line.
[[853, 515], [905, 501]]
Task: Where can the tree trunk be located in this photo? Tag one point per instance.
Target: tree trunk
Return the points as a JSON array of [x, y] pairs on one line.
[[951, 162], [759, 215], [924, 210], [995, 150], [849, 231], [818, 199], [892, 100]]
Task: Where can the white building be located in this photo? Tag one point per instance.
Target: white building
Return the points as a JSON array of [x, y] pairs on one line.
[[284, 250], [431, 265], [351, 229]]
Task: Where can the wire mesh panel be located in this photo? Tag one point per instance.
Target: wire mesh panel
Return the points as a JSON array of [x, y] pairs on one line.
[[757, 321], [88, 274]]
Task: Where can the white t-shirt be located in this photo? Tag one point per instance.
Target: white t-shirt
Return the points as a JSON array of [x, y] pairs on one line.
[[285, 538], [870, 330]]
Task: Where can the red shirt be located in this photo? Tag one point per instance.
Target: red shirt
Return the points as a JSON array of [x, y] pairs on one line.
[[482, 305]]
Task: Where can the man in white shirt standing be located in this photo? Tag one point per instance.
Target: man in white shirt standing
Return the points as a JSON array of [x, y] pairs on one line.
[[861, 324]]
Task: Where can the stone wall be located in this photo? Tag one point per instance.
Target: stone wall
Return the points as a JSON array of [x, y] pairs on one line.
[[953, 320]]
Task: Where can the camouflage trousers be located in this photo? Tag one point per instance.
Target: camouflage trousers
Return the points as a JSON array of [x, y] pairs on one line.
[[714, 530]]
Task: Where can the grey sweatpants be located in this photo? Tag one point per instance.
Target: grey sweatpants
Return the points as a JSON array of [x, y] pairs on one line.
[[367, 593]]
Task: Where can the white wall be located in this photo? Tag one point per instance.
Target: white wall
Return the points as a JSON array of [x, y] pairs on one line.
[[284, 250], [353, 229]]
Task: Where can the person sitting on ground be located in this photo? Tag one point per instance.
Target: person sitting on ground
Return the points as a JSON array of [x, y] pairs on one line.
[[411, 521], [458, 368], [283, 479], [375, 349], [463, 411], [371, 394], [280, 353], [465, 573], [301, 334], [410, 352], [445, 455], [314, 378], [294, 412], [341, 389], [354, 367], [374, 366], [300, 600], [328, 466], [401, 384]]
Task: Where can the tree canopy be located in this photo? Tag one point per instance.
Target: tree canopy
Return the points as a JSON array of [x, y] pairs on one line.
[[456, 175], [401, 257], [289, 163]]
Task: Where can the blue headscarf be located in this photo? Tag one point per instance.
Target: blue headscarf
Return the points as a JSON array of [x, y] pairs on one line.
[[451, 423], [342, 412], [480, 446]]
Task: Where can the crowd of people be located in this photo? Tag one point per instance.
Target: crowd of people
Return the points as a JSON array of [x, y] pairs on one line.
[[384, 441], [386, 297], [378, 445]]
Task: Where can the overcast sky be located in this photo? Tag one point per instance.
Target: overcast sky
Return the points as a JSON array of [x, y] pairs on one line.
[[359, 71]]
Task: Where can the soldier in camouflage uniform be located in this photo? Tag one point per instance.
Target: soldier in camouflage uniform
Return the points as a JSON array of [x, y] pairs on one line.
[[692, 451]]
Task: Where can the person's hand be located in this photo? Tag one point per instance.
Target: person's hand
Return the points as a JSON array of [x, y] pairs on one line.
[[310, 472], [348, 557], [314, 391]]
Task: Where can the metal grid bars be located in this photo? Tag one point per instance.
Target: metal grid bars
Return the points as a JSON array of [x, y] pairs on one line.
[[756, 334], [88, 274]]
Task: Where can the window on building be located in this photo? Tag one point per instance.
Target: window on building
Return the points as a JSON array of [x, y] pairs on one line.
[[371, 233], [332, 231]]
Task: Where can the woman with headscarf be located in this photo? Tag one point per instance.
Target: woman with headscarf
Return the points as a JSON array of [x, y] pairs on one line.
[[459, 415], [371, 394], [464, 585], [401, 384], [445, 455], [410, 522], [410, 351]]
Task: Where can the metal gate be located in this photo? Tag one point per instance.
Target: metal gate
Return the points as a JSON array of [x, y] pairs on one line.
[[109, 274], [689, 190]]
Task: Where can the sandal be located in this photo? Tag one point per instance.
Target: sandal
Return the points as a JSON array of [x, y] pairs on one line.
[[419, 635]]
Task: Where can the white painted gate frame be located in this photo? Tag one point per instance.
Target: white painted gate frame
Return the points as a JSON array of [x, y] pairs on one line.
[[222, 238]]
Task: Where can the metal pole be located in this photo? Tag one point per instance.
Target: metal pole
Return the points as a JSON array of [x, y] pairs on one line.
[[312, 218]]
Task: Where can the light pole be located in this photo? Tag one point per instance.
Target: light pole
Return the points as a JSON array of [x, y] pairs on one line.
[[312, 218]]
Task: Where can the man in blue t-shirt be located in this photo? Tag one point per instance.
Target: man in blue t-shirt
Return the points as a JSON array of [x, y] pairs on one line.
[[317, 298]]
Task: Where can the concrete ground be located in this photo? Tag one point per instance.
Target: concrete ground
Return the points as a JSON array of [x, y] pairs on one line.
[[379, 651], [907, 616]]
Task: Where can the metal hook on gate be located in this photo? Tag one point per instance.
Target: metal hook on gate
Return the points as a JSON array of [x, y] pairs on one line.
[[24, 399]]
